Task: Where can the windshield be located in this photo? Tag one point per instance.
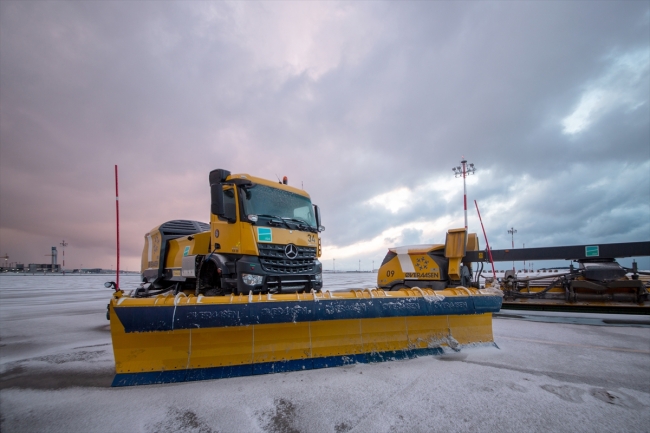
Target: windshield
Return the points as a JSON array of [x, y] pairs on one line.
[[265, 201]]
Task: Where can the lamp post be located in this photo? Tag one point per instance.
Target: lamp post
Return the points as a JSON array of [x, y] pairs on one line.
[[464, 171], [512, 231]]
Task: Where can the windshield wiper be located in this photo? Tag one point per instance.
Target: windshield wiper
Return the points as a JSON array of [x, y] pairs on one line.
[[275, 220], [301, 224]]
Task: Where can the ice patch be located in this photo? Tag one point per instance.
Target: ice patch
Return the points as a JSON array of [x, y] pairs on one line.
[[282, 418], [616, 398], [179, 420], [565, 392]]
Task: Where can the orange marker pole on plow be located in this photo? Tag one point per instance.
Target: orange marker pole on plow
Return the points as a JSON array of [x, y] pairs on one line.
[[117, 219], [487, 244]]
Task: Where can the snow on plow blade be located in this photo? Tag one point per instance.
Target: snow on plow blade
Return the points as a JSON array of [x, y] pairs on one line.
[[176, 339]]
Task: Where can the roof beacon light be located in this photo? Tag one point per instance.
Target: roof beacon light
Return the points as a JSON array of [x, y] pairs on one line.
[[285, 180]]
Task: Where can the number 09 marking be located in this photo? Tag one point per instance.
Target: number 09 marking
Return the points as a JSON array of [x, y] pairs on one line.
[[390, 273]]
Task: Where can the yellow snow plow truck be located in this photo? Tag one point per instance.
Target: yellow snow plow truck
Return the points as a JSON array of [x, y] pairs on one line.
[[263, 236], [243, 295]]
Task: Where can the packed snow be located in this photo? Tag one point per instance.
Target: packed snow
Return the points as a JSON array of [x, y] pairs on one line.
[[549, 373]]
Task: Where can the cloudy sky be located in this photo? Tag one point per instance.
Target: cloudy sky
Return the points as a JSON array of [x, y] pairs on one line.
[[369, 105]]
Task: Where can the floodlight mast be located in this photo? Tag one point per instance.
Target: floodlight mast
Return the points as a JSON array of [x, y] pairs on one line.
[[464, 171], [63, 245], [512, 231]]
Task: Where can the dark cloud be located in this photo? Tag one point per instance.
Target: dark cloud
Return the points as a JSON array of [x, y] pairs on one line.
[[353, 100]]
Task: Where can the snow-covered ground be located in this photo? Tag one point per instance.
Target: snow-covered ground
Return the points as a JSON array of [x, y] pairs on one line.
[[56, 366]]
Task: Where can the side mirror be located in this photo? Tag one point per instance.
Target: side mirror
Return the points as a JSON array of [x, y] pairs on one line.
[[317, 216], [217, 200], [216, 191]]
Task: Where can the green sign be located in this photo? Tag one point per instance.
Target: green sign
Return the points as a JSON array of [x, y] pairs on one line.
[[591, 251], [186, 251], [264, 234]]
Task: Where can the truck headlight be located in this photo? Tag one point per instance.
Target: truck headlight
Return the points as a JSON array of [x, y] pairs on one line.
[[318, 277], [252, 280]]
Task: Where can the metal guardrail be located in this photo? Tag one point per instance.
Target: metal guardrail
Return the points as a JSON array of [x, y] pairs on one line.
[[574, 252]]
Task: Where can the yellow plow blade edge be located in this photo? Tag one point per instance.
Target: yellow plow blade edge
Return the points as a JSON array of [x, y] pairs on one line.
[[176, 339]]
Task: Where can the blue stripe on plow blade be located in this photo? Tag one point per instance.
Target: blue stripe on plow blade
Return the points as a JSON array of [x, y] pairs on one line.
[[168, 318], [172, 376]]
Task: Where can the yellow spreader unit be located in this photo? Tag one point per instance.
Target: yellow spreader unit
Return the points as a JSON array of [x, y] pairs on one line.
[[186, 338]]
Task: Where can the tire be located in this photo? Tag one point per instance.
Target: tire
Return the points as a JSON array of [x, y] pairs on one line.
[[210, 281]]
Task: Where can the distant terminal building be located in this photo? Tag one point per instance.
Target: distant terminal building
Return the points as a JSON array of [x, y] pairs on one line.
[[12, 267], [44, 267], [88, 271], [52, 267]]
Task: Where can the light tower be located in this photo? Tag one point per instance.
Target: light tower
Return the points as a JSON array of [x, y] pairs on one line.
[[512, 232], [464, 171], [63, 245]]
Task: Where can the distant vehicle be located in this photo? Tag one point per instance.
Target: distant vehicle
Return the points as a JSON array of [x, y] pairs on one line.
[[599, 283]]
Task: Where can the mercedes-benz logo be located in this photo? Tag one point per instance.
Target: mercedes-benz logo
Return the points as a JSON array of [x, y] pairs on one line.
[[291, 251]]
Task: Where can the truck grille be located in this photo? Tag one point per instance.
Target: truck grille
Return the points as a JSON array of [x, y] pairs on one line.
[[289, 284], [273, 259]]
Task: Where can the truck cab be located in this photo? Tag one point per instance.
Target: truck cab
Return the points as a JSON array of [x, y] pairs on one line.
[[263, 237]]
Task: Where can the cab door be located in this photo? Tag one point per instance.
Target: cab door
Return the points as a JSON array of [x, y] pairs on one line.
[[225, 228]]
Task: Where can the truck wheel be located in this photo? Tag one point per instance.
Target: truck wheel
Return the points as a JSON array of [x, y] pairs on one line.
[[397, 287], [209, 280]]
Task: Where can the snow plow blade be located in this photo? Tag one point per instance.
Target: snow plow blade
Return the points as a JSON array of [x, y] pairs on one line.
[[185, 338]]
